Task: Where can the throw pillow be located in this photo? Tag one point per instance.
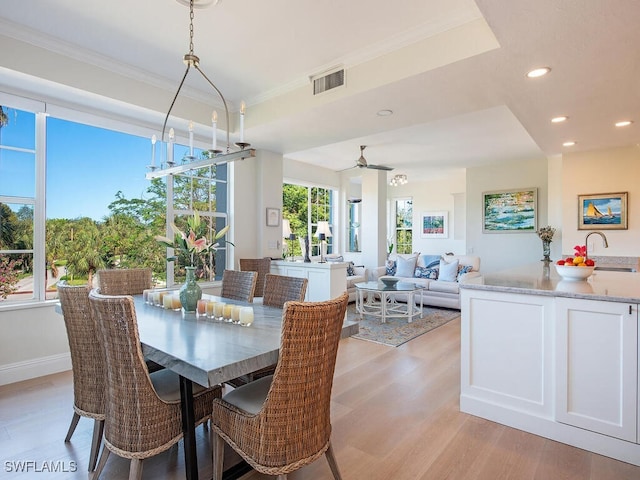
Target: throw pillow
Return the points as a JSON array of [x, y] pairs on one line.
[[430, 261], [350, 271], [448, 271], [391, 267], [462, 269], [424, 272], [406, 266]]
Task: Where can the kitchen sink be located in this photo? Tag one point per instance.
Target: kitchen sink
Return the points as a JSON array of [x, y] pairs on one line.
[[615, 269]]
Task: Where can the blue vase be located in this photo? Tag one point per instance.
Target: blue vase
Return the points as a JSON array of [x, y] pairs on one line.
[[190, 292]]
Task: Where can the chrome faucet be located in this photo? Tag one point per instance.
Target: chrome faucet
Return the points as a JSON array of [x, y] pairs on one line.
[[604, 240]]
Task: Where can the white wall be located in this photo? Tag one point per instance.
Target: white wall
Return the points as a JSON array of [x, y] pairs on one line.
[[595, 172], [33, 342], [438, 195], [503, 250]]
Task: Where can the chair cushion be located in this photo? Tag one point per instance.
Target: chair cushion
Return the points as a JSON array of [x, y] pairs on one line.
[[444, 287], [250, 397], [448, 271], [167, 385]]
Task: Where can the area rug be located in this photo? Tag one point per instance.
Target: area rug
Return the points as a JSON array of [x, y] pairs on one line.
[[396, 331]]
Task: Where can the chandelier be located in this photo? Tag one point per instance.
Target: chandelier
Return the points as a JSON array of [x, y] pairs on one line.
[[215, 156], [399, 179]]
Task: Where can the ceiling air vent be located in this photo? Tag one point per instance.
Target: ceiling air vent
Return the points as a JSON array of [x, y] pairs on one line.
[[328, 81]]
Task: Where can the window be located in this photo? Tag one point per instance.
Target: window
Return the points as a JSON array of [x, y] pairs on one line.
[[404, 225], [101, 211], [17, 203], [304, 207]]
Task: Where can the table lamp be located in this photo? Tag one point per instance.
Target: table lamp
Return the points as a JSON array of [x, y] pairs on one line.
[[323, 232]]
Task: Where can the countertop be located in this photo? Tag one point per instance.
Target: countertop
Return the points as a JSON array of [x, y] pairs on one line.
[[542, 279]]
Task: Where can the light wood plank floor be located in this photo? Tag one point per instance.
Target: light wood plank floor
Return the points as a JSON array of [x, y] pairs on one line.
[[395, 416]]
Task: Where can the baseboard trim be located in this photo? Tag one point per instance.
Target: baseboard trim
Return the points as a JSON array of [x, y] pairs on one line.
[[35, 367]]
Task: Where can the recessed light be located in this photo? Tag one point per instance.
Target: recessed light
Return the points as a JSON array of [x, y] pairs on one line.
[[384, 113], [624, 123], [569, 144], [538, 72], [560, 119]]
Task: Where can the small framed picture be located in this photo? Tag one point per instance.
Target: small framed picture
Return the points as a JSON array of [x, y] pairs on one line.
[[273, 217], [434, 225], [603, 211]]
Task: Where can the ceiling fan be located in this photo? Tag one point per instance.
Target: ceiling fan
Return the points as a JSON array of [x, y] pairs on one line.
[[362, 162]]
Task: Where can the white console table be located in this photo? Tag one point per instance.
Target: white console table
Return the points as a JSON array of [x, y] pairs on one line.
[[326, 280]]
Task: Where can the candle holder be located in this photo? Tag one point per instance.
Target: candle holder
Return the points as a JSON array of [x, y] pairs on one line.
[[242, 145], [212, 153]]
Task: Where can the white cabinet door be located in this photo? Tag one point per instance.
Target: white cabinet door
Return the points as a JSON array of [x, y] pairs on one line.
[[597, 360], [507, 354]]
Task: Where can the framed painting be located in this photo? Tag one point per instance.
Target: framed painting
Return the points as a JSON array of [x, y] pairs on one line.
[[604, 211], [273, 217], [434, 225], [510, 211]]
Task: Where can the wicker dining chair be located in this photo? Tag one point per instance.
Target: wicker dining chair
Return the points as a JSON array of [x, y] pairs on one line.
[[124, 281], [87, 364], [127, 281], [238, 285], [260, 265], [143, 415], [281, 423], [278, 289]]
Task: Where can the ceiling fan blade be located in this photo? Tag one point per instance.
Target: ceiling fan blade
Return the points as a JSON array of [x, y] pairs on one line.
[[345, 169], [379, 167]]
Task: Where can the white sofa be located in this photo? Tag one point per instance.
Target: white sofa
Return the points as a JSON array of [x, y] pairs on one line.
[[361, 274], [438, 292]]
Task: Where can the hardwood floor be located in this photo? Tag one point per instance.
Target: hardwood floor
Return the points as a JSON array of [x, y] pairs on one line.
[[395, 415]]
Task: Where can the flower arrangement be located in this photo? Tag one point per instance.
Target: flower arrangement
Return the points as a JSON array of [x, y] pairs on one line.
[[9, 276], [190, 244], [546, 233]]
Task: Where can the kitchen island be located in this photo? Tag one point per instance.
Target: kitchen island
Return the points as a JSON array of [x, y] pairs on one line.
[[553, 357]]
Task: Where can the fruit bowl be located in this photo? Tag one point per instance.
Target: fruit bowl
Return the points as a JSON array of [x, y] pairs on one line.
[[574, 273], [389, 281]]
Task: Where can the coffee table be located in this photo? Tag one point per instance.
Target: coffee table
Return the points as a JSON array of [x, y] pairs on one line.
[[381, 300]]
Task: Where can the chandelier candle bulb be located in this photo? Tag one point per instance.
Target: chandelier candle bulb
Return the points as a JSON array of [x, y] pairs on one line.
[[191, 138], [214, 127], [242, 107], [153, 151], [172, 138]]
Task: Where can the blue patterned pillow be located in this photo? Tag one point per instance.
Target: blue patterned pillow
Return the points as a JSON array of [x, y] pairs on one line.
[[424, 272], [462, 269], [391, 267], [350, 271]]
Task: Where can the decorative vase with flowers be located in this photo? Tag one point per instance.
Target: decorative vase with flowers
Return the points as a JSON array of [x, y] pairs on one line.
[[191, 245], [546, 235]]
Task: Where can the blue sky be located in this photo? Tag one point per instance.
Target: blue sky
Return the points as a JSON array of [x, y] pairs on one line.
[[86, 166]]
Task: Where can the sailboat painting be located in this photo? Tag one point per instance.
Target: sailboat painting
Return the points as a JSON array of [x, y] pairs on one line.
[[606, 211]]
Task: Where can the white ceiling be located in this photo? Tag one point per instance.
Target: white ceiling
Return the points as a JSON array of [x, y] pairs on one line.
[[452, 71]]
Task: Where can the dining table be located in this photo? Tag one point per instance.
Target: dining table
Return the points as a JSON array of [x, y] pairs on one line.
[[207, 352], [210, 352]]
